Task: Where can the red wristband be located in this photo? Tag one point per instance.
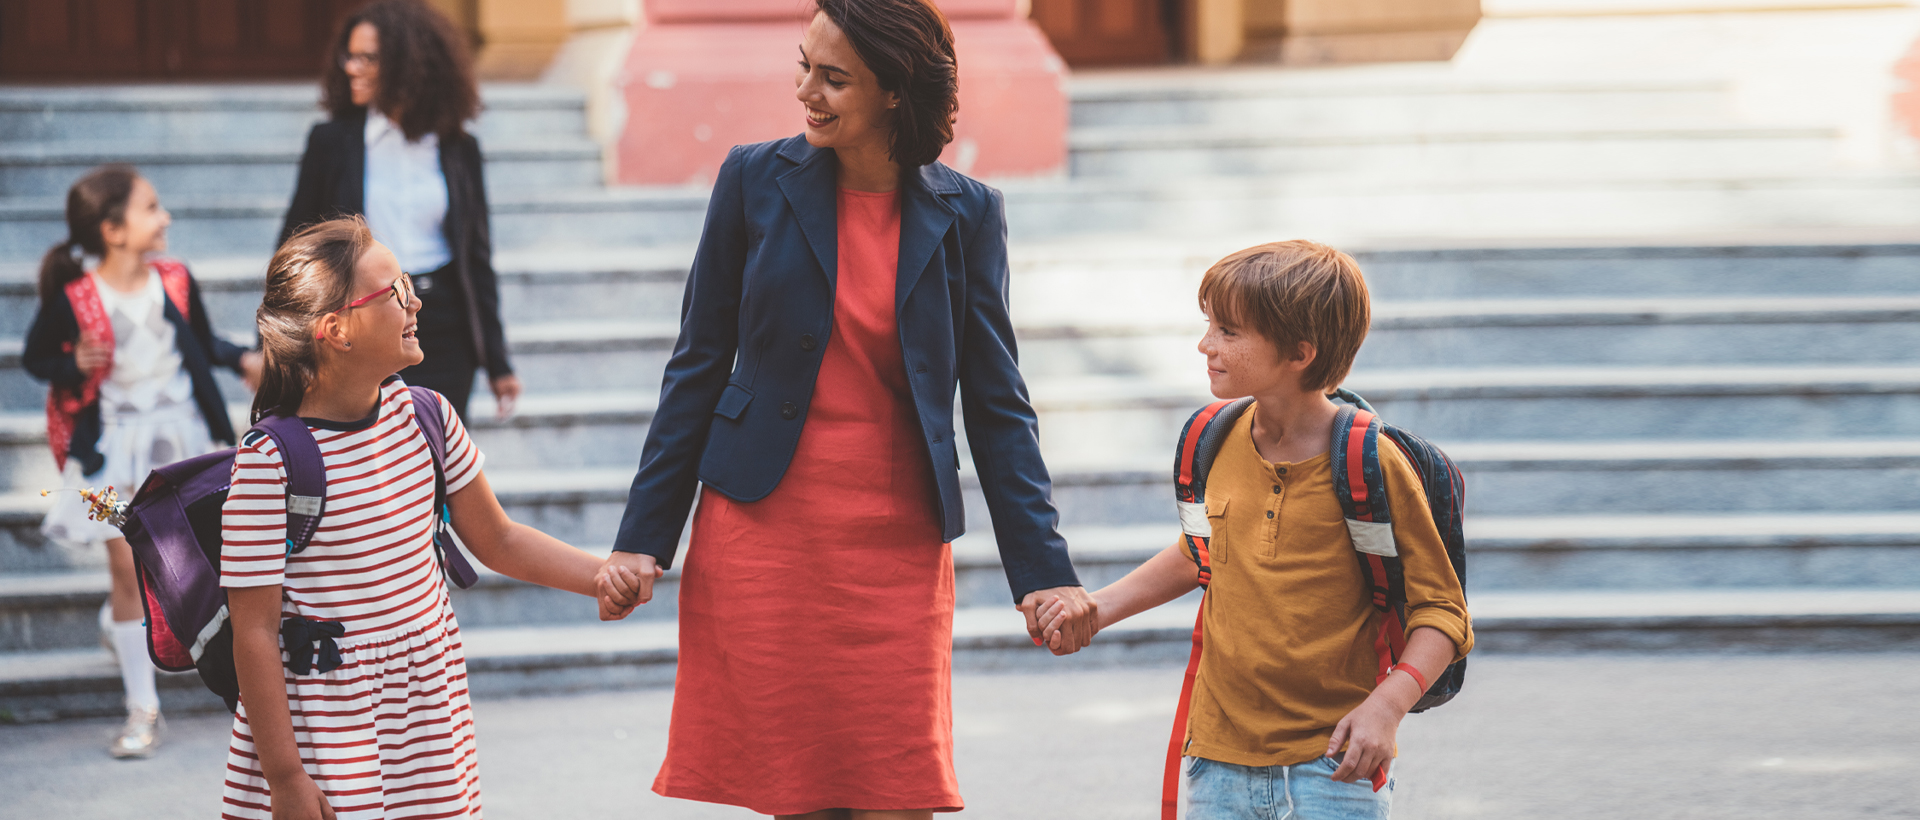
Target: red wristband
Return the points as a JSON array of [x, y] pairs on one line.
[[1417, 677]]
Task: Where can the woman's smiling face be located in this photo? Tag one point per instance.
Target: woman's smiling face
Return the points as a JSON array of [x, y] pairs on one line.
[[845, 106]]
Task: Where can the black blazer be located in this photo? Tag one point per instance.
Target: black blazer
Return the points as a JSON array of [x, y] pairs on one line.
[[332, 184], [754, 324], [54, 326]]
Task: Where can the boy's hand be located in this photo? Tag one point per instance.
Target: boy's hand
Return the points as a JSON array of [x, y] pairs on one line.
[[1052, 618], [1367, 733], [1075, 627]]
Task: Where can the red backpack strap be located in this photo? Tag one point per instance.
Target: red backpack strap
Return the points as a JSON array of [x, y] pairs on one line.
[[178, 284], [1176, 745], [1200, 442], [65, 403]]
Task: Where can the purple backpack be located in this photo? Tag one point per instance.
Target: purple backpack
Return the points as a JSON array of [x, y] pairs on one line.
[[173, 524]]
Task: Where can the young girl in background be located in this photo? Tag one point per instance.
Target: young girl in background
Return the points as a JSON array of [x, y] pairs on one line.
[[129, 355], [368, 717]]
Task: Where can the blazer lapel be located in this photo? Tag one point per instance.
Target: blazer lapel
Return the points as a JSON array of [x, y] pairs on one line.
[[810, 190], [925, 216]]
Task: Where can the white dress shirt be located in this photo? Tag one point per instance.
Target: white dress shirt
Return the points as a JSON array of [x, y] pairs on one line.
[[406, 195]]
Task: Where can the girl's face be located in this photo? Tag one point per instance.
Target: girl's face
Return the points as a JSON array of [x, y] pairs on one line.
[[363, 63], [143, 229], [382, 330], [1241, 362], [846, 108]]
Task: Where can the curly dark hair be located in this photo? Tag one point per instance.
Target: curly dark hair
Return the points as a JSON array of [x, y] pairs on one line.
[[909, 47], [426, 70]]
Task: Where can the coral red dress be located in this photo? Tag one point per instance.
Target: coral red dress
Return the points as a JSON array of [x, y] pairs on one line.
[[816, 625]]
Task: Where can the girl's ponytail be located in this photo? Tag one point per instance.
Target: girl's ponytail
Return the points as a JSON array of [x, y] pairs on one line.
[[309, 277], [100, 196]]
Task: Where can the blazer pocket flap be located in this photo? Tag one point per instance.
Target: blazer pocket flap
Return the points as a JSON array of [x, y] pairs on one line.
[[733, 402]]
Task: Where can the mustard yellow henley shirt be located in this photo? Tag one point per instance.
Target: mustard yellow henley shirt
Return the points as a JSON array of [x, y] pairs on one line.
[[1289, 624]]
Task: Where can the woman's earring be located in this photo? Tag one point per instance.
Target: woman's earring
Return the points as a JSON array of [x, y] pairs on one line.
[[349, 345]]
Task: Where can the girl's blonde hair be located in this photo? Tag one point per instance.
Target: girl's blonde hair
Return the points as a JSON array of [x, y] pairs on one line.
[[310, 276]]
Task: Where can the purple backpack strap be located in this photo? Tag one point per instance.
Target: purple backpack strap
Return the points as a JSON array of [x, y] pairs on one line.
[[434, 428], [306, 477]]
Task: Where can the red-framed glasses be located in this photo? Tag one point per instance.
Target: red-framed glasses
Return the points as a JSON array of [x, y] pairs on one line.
[[401, 289]]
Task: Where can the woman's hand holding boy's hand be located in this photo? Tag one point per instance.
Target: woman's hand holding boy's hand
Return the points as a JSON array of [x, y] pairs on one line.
[[626, 581], [299, 798], [1070, 618]]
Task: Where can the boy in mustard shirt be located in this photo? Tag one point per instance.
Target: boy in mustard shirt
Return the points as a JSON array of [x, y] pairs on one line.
[[1286, 714]]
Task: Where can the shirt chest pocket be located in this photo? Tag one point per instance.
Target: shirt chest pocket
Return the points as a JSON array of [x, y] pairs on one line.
[[1217, 523]]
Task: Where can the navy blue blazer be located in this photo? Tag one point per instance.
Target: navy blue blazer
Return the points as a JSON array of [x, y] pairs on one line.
[[753, 329]]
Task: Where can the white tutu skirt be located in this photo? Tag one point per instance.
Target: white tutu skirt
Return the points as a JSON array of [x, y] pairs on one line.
[[133, 444]]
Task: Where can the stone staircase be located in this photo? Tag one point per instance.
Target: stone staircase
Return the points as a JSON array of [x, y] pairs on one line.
[[1667, 444]]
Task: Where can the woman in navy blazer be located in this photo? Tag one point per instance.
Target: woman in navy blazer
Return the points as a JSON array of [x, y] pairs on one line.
[[757, 321]]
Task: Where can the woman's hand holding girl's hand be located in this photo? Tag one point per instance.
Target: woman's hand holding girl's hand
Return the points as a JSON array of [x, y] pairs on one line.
[[251, 365], [299, 798], [92, 354], [626, 581]]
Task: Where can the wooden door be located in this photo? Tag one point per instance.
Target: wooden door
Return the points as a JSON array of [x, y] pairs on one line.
[[167, 39], [1106, 32]]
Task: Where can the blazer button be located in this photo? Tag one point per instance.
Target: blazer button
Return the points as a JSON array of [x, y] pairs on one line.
[[807, 342], [789, 412]]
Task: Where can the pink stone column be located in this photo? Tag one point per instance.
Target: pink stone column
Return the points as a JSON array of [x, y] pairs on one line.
[[705, 75]]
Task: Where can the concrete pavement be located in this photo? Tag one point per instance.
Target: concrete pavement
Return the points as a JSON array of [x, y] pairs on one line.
[[1564, 737]]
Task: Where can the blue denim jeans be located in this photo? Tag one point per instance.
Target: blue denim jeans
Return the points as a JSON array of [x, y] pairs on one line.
[[1303, 791]]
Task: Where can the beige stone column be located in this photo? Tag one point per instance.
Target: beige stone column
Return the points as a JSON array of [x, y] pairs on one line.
[[1315, 32], [518, 38], [1218, 30]]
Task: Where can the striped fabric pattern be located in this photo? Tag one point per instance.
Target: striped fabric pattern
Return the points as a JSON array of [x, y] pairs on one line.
[[388, 734]]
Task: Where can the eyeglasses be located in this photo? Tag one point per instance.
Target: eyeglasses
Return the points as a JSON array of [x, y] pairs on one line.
[[364, 59], [401, 289]]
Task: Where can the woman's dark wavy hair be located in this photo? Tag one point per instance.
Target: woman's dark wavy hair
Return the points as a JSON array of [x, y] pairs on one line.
[[909, 47], [100, 196], [426, 70]]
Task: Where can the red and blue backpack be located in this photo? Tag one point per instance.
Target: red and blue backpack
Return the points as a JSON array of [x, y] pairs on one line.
[[1361, 487]]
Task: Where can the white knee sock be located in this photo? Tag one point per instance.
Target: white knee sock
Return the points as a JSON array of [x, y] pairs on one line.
[[136, 669]]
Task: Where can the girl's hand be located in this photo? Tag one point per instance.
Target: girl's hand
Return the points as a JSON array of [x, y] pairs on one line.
[[251, 364], [299, 798], [92, 354]]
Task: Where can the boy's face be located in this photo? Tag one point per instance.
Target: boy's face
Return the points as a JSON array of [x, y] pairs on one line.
[[1241, 362]]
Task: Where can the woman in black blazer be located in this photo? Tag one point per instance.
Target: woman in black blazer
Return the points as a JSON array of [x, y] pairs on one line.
[[401, 75], [845, 285]]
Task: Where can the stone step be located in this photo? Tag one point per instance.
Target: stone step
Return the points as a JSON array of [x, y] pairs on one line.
[[1135, 418], [1154, 279], [190, 115], [1157, 339], [54, 611], [39, 686], [1385, 99], [35, 170], [521, 219], [1357, 212], [1707, 154], [548, 285]]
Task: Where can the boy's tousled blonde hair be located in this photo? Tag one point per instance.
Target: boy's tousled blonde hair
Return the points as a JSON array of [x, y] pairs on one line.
[[1291, 292]]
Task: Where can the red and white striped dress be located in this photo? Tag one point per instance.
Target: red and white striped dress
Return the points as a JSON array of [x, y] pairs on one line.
[[388, 734]]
